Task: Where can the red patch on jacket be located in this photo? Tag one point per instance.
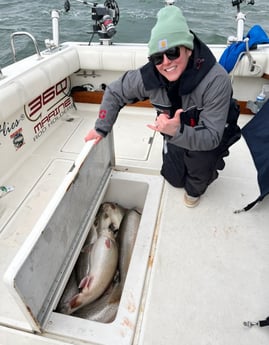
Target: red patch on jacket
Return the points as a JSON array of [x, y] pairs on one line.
[[102, 114], [192, 122]]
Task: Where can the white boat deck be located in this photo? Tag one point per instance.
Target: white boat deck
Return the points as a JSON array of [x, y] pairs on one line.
[[208, 270]]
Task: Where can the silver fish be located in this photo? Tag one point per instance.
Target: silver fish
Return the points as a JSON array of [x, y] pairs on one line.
[[104, 309], [70, 290], [110, 215], [83, 264], [126, 238], [104, 259]]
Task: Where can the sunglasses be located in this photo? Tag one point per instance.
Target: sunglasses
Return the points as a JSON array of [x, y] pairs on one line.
[[171, 54]]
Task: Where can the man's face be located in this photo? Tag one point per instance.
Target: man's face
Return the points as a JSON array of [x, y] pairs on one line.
[[172, 69]]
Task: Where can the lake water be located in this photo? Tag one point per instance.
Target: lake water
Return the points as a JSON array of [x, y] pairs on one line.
[[212, 20]]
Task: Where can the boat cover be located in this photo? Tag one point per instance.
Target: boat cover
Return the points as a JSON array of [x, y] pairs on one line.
[[256, 134], [231, 54]]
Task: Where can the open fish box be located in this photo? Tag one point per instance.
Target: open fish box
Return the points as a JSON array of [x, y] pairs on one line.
[[39, 273]]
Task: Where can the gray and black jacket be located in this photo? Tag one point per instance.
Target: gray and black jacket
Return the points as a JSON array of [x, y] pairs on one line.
[[204, 88]]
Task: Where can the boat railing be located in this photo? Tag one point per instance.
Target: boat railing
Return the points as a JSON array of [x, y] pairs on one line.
[[23, 33], [1, 74]]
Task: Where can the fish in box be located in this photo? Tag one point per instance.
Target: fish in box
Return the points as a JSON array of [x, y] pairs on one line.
[[48, 261], [105, 254]]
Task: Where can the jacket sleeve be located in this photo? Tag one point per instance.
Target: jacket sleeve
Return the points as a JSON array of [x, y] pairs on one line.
[[212, 96], [126, 90]]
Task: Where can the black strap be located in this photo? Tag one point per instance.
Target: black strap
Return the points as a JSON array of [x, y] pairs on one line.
[[249, 206], [261, 323], [264, 323]]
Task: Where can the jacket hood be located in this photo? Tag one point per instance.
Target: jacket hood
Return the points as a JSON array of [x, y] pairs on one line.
[[200, 63]]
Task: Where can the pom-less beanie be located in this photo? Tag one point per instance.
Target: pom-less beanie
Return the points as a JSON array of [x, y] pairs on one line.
[[170, 30]]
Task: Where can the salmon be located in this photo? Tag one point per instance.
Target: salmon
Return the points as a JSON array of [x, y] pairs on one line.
[[126, 238], [83, 264], [110, 215], [104, 309], [104, 260], [70, 290]]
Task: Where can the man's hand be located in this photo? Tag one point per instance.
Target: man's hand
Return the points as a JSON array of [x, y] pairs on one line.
[[167, 125], [93, 135]]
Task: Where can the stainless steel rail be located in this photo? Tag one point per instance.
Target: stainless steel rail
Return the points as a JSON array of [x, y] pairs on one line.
[[23, 33], [1, 74]]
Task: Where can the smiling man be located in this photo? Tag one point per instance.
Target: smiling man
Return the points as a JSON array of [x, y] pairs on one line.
[[192, 94]]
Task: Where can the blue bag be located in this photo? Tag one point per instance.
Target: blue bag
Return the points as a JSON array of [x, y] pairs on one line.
[[230, 55]]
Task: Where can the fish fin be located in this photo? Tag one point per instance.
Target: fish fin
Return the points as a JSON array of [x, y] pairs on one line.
[[108, 243], [85, 282], [74, 303]]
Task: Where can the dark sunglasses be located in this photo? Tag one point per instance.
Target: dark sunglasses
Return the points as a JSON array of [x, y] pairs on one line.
[[171, 54]]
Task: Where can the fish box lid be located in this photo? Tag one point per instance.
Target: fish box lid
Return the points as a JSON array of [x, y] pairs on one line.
[[42, 265]]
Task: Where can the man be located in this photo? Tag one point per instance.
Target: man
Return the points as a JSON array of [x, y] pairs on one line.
[[191, 93]]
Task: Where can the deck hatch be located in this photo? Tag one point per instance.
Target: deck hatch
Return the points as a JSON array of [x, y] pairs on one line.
[[53, 245]]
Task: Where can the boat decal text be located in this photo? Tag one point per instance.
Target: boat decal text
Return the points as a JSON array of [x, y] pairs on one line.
[[33, 110], [7, 128], [50, 119]]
